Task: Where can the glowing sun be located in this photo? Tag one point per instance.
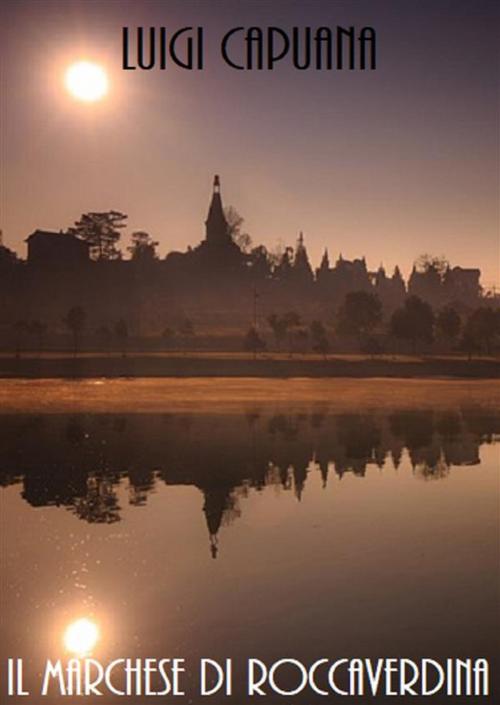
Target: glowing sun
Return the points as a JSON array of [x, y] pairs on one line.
[[81, 636], [86, 81]]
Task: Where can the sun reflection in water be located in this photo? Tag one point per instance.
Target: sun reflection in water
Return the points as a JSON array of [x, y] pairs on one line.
[[81, 636]]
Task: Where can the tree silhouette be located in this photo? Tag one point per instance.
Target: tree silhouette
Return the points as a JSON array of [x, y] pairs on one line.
[[20, 330], [7, 257], [426, 263], [234, 225], [143, 247], [372, 346], [279, 328], [301, 337], [287, 325], [168, 336], [414, 321], [75, 320], [252, 341], [121, 334], [275, 254], [260, 262], [359, 314], [284, 266], [448, 324], [38, 330], [186, 331], [102, 232], [481, 329], [104, 336], [291, 321], [319, 338]]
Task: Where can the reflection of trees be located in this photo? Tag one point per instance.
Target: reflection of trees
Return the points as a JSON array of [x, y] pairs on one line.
[[141, 484], [283, 425], [481, 423], [414, 428], [79, 462], [75, 432], [100, 503], [435, 472], [358, 441], [448, 425]]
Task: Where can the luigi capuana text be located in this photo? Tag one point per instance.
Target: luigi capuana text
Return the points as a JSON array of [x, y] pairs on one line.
[[252, 48]]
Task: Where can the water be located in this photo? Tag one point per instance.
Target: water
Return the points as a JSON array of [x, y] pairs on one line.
[[265, 531]]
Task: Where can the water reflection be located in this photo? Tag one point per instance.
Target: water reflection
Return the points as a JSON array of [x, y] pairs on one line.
[[79, 462], [350, 534]]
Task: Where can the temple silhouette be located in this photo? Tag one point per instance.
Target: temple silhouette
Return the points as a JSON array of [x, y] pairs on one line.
[[216, 283]]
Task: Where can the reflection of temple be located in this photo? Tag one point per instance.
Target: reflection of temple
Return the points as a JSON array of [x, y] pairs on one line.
[[220, 507], [79, 462]]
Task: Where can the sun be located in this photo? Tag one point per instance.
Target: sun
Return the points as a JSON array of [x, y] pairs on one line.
[[81, 636], [86, 81]]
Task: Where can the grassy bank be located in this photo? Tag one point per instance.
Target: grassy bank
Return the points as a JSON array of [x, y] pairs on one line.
[[95, 365]]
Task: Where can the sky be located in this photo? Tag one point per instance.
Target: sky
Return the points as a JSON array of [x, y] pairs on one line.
[[389, 164]]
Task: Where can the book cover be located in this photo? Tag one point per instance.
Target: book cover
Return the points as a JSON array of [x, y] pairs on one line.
[[249, 352]]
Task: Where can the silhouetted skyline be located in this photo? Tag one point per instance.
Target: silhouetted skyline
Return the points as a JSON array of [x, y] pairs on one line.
[[386, 164]]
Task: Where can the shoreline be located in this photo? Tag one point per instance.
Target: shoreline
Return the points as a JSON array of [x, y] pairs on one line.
[[240, 365]]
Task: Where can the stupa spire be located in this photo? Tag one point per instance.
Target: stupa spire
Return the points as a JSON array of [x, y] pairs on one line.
[[217, 231]]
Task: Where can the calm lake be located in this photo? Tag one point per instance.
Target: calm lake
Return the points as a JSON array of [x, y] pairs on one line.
[[269, 528]]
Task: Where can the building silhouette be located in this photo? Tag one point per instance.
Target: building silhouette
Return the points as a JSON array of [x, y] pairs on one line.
[[49, 249], [214, 283], [217, 229]]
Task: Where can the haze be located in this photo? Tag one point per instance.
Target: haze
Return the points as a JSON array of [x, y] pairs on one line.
[[388, 164]]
